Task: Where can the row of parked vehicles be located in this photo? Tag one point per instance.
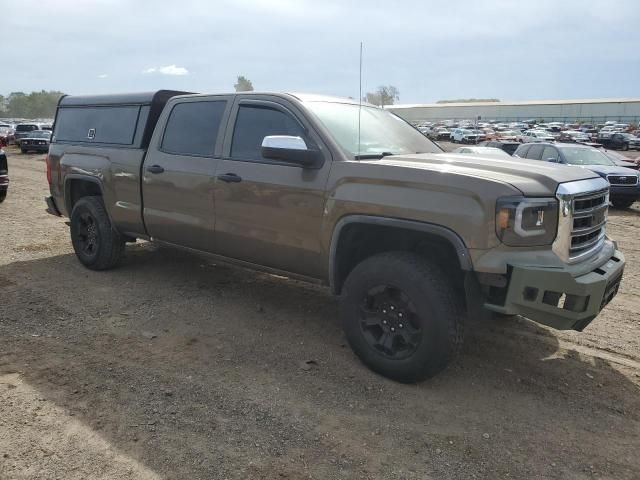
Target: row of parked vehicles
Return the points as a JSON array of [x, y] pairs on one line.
[[613, 136], [28, 136], [621, 172]]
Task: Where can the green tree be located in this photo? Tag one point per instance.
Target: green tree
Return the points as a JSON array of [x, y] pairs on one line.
[[383, 95], [243, 84], [40, 104]]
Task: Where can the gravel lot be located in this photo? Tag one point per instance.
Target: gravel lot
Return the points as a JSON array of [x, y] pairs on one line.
[[172, 367]]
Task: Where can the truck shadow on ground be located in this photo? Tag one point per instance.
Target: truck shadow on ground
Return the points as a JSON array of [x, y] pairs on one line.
[[246, 375]]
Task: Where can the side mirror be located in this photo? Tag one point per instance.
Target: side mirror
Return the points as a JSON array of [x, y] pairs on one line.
[[292, 149]]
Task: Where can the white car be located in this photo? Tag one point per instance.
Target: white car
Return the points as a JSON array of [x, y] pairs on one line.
[[464, 135], [484, 152], [535, 136]]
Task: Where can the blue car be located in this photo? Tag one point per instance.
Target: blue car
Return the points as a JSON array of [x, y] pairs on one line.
[[624, 185]]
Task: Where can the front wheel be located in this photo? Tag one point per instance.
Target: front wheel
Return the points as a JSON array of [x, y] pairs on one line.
[[23, 150], [402, 316], [622, 203], [3, 195], [97, 244]]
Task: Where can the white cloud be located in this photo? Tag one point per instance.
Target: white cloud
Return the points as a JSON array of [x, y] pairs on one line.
[[103, 75], [168, 70]]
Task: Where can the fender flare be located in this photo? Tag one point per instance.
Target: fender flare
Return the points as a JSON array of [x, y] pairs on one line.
[[67, 188], [431, 228]]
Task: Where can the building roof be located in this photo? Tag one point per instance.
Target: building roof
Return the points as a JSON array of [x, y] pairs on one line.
[[517, 103]]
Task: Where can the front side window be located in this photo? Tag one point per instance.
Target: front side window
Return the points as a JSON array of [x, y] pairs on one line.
[[253, 123], [192, 128]]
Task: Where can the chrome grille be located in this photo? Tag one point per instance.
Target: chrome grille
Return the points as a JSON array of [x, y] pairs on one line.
[[623, 179], [582, 218], [589, 220]]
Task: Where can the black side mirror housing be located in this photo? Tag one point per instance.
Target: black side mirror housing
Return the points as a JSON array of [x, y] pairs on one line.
[[305, 158]]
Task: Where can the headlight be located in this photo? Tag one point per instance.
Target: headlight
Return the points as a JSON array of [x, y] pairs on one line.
[[522, 221]]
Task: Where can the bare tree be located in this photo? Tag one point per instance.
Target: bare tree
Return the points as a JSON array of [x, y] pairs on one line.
[[243, 84], [383, 95]]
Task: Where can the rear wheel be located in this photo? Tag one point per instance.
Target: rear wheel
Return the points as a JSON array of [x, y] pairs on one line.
[[402, 316], [3, 195], [97, 244], [622, 203]]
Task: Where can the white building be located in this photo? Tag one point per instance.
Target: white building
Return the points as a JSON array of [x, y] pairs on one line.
[[625, 110]]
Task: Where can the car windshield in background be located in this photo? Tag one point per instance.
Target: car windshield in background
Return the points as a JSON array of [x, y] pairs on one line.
[[381, 132], [26, 128], [585, 156]]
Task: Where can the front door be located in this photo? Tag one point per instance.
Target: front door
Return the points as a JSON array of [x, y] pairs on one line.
[[178, 176], [269, 212]]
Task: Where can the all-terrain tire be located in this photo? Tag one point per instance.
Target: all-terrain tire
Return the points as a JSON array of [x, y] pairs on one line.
[[437, 312], [97, 244]]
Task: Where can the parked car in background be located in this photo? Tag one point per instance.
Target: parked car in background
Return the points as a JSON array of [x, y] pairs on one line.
[[463, 135], [573, 136], [507, 136], [4, 176], [624, 186], [439, 133], [7, 135], [634, 142], [483, 152], [613, 141], [621, 160], [36, 141], [24, 129], [535, 136], [506, 146]]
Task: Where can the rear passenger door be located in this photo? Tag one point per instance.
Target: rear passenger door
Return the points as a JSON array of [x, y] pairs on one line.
[[178, 176], [269, 212]]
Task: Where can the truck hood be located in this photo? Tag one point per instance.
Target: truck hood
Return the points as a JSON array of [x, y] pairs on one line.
[[531, 177]]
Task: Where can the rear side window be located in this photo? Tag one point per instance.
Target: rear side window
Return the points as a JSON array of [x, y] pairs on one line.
[[535, 152], [253, 124], [193, 127], [522, 151], [550, 154], [111, 125]]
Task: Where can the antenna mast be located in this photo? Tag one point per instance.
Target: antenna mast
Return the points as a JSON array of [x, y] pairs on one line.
[[360, 99]]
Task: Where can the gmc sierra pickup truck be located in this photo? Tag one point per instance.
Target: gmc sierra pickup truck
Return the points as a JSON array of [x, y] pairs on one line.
[[412, 239]]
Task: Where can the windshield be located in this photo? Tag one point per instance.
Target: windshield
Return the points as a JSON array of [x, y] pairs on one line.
[[26, 128], [585, 156], [381, 132]]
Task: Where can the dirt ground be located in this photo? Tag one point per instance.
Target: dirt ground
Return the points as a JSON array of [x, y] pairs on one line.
[[172, 367]]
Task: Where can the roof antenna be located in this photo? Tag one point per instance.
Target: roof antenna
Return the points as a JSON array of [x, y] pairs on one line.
[[360, 100]]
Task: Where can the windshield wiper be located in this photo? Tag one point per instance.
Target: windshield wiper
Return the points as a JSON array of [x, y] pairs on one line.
[[373, 156]]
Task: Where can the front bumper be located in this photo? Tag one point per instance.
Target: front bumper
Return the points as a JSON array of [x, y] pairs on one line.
[[624, 191], [554, 297]]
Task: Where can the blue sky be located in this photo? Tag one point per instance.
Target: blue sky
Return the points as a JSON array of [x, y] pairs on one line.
[[430, 50]]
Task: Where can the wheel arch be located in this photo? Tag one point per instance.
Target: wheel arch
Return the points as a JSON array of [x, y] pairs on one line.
[[407, 231], [78, 186]]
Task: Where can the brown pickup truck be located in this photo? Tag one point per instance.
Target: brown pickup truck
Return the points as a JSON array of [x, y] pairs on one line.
[[412, 239]]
